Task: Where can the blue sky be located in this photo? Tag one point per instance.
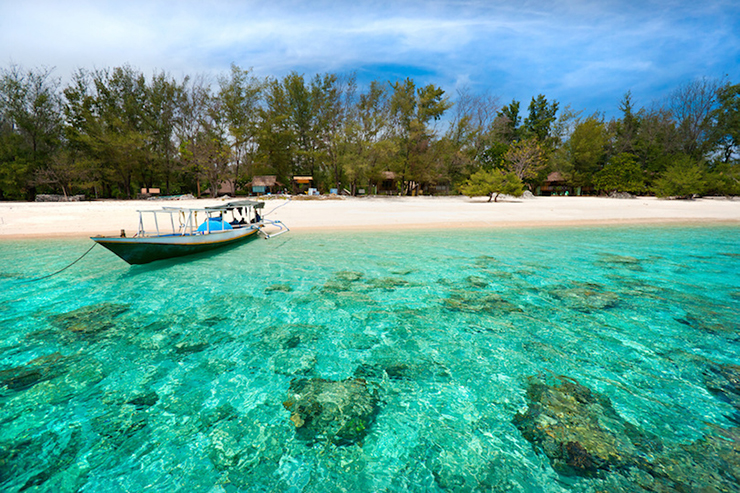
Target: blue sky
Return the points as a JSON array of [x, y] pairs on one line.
[[583, 53]]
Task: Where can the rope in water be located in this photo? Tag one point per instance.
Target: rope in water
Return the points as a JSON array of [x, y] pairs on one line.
[[64, 268]]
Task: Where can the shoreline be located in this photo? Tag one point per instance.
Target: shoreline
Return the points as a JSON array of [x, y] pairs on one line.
[[34, 220]]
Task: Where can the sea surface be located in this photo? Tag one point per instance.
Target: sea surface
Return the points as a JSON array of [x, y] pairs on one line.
[[544, 360]]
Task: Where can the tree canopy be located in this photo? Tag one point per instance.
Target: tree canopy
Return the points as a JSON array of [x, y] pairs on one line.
[[110, 132]]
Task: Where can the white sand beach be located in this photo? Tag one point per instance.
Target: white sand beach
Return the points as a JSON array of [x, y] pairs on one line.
[[36, 219]]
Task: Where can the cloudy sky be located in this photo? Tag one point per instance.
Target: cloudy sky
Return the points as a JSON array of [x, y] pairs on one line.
[[583, 53]]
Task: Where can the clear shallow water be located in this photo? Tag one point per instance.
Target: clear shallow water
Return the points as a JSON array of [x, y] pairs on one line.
[[177, 375]]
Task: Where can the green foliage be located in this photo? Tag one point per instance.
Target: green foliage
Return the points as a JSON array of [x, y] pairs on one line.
[[724, 179], [411, 111], [493, 183], [508, 122], [30, 127], [526, 159], [627, 127], [621, 174], [493, 156], [541, 117], [727, 116], [586, 150], [683, 179], [111, 131]]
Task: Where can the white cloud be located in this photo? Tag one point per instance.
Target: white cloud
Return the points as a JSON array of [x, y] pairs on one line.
[[512, 48]]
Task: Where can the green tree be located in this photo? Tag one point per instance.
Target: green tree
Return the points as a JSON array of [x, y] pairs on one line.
[[657, 141], [621, 174], [627, 128], [470, 141], [239, 100], [692, 105], [162, 114], [275, 136], [727, 117], [412, 109], [724, 179], [30, 128], [540, 120], [367, 151], [584, 153], [106, 112], [683, 179], [493, 183], [507, 123], [526, 159]]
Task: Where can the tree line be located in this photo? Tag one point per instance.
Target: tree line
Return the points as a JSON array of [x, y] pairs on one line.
[[110, 132]]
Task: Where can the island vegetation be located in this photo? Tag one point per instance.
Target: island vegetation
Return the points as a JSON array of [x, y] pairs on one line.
[[112, 132]]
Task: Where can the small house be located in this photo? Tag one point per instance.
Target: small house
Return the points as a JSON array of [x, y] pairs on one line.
[[264, 184], [302, 184]]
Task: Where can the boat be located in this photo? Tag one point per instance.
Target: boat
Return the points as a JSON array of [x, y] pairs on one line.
[[177, 231]]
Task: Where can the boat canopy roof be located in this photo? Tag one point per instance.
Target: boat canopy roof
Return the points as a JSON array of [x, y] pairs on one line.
[[237, 203], [213, 208]]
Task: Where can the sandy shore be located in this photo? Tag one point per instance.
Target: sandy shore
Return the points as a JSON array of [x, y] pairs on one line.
[[34, 219]]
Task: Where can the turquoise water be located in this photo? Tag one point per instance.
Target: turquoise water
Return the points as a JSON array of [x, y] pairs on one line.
[[177, 376]]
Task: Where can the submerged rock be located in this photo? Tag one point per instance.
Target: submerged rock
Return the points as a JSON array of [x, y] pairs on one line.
[[579, 430], [585, 297], [89, 320], [386, 283], [711, 463], [339, 412], [624, 261], [723, 381], [477, 302], [35, 371], [279, 288], [348, 275], [30, 463], [342, 281]]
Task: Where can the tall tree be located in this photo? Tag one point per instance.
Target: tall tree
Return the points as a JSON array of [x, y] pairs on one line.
[[727, 117], [163, 113], [692, 106], [201, 133], [240, 99], [106, 109], [275, 136], [585, 150], [507, 123], [470, 134], [412, 110], [367, 151], [30, 127], [540, 119], [627, 127], [526, 159]]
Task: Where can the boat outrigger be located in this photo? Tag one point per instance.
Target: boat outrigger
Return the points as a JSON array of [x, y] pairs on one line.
[[175, 231]]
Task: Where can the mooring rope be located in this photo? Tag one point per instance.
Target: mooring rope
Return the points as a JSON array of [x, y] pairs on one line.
[[64, 268], [278, 207]]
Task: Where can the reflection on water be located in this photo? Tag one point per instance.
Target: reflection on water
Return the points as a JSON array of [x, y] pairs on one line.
[[585, 359]]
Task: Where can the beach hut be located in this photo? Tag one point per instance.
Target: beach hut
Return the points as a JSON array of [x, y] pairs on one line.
[[387, 185], [264, 184], [554, 185], [302, 184]]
